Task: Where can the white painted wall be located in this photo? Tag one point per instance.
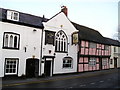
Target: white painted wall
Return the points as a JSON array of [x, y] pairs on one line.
[[54, 24], [115, 54], [28, 39], [118, 57], [1, 61]]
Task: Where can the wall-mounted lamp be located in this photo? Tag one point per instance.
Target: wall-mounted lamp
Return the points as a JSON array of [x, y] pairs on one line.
[[50, 51], [33, 56], [34, 48], [67, 54], [61, 26], [25, 49], [34, 30]]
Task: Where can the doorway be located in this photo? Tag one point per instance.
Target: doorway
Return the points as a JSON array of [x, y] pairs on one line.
[[115, 62], [32, 67], [47, 69], [100, 63]]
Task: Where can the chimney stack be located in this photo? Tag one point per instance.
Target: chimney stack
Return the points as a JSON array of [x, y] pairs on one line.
[[64, 10]]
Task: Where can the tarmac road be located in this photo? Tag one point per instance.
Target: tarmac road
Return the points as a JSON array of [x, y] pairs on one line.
[[98, 79]]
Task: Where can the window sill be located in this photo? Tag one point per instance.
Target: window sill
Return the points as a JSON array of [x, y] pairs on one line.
[[11, 48], [60, 52], [67, 68]]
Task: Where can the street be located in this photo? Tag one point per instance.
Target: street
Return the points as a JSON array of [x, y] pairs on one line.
[[98, 79]]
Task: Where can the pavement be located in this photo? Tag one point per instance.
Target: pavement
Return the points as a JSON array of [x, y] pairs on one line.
[[19, 81]]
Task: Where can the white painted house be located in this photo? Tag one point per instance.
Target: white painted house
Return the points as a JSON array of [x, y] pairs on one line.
[[28, 49], [115, 53], [20, 38], [58, 52]]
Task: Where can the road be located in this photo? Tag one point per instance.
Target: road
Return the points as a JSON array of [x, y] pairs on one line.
[[105, 79]]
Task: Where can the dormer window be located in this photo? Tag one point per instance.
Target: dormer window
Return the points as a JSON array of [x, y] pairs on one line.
[[13, 15]]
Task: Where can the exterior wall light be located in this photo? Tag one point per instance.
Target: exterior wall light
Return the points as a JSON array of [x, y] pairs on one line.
[[34, 30]]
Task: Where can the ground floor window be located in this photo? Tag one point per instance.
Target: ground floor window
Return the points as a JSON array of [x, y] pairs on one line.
[[11, 66], [104, 61], [92, 61], [67, 62]]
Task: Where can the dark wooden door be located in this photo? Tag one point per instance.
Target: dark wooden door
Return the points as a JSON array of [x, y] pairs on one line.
[[115, 62], [100, 63], [32, 66], [47, 68]]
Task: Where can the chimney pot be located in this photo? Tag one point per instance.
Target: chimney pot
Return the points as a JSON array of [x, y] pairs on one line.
[[64, 10]]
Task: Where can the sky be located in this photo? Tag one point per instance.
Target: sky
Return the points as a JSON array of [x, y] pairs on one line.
[[101, 15]]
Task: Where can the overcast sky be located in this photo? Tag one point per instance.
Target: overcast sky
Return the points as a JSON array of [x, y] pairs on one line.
[[101, 15]]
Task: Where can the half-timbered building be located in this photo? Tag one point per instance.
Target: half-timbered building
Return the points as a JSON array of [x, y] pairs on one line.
[[94, 50]]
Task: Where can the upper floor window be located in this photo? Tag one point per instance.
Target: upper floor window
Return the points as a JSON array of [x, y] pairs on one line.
[[11, 40], [115, 49], [106, 47], [13, 15], [92, 45], [61, 42], [49, 37]]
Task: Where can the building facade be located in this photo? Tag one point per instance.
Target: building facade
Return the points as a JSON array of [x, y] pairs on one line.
[[21, 41], [59, 55], [115, 53], [94, 50], [33, 46]]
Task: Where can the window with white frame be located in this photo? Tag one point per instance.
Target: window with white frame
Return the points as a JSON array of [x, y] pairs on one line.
[[11, 66], [67, 62], [61, 42], [11, 40], [92, 61], [13, 15], [92, 45]]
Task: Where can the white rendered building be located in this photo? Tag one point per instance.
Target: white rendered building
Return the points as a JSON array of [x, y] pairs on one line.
[[20, 37], [58, 52], [115, 53]]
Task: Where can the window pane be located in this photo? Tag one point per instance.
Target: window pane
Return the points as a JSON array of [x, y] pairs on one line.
[[92, 62], [16, 16], [11, 41], [15, 42], [92, 45], [14, 70], [11, 66], [67, 62], [62, 42], [49, 37], [6, 41]]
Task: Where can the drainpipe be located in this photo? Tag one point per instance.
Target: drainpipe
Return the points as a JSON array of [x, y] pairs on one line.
[[41, 45]]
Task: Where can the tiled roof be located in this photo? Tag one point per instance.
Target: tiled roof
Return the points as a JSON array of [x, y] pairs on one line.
[[25, 19], [89, 34], [113, 42]]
